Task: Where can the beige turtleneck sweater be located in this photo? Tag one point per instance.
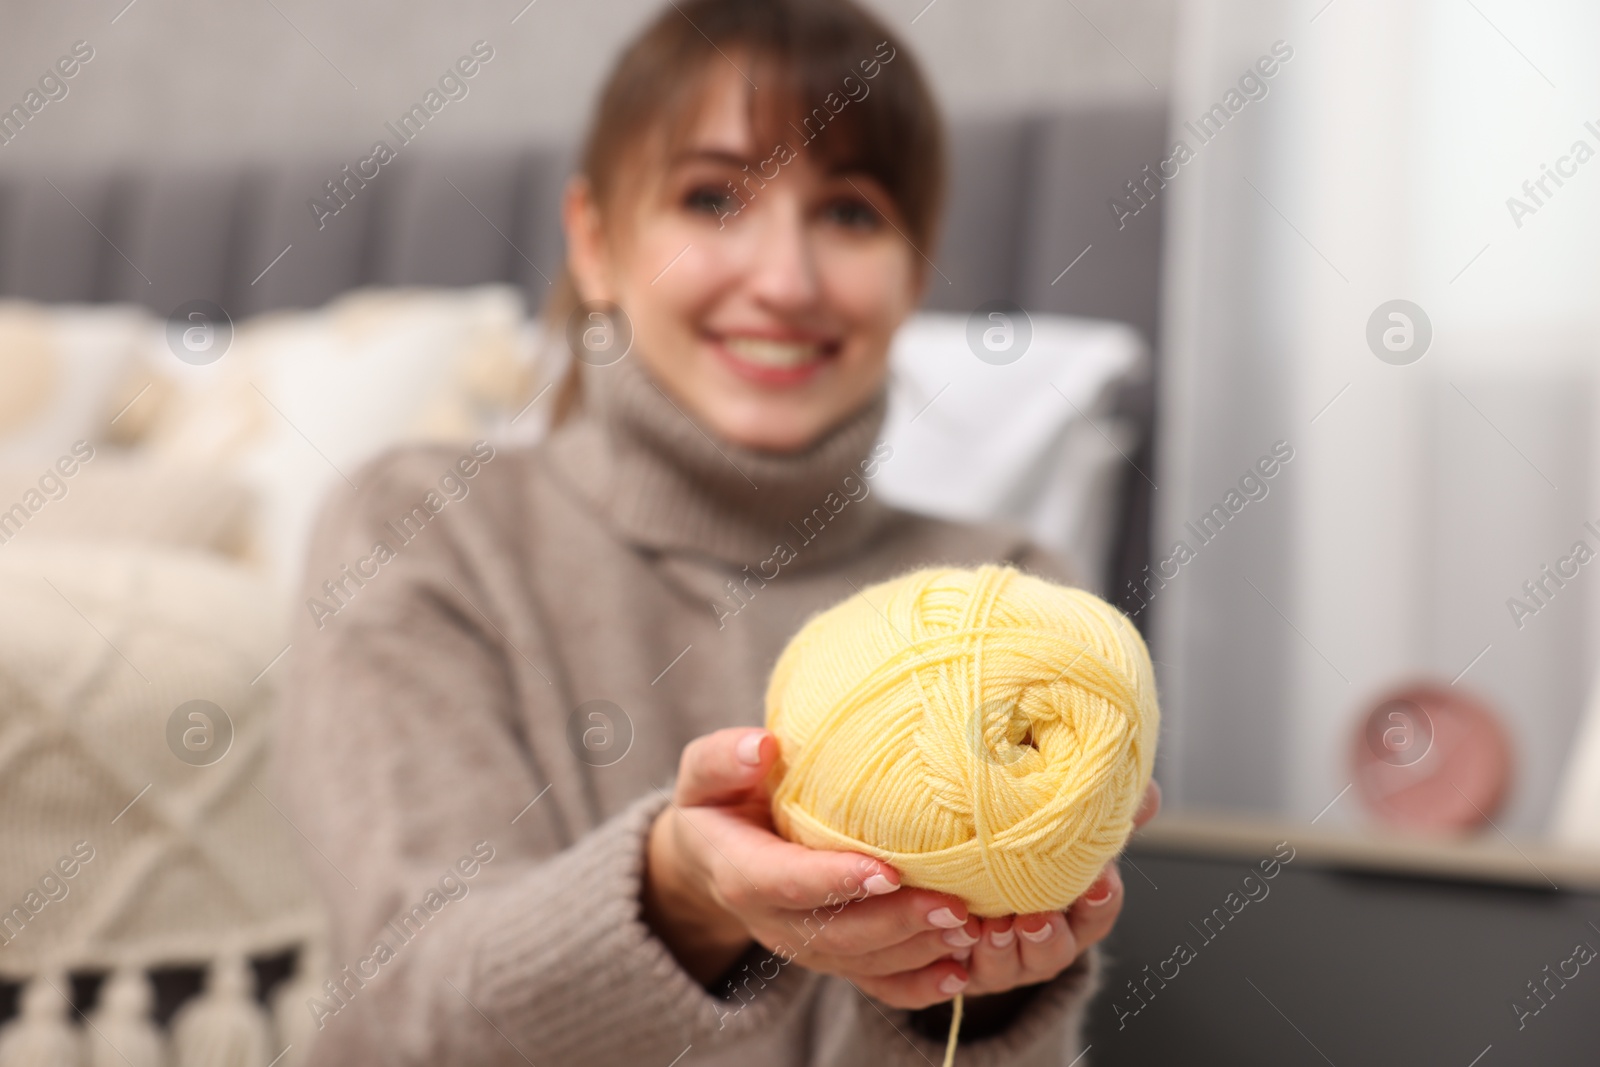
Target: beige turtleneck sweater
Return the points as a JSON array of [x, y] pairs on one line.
[[479, 835]]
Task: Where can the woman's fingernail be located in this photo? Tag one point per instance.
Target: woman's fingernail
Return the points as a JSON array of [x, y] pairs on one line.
[[749, 749], [1002, 938], [952, 985], [945, 918], [959, 938], [1102, 890], [1036, 936], [878, 885]]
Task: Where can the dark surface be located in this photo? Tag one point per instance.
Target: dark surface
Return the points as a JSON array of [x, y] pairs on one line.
[[1347, 968]]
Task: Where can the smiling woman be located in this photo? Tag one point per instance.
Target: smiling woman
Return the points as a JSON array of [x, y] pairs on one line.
[[729, 449], [770, 315]]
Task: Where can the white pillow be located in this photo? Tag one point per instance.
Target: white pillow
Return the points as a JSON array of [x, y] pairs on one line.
[[1034, 441], [60, 369], [301, 399]]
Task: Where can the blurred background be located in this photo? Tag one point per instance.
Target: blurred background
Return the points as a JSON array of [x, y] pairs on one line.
[[1303, 375]]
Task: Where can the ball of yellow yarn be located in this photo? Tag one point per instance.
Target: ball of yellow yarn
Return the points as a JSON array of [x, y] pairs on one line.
[[988, 733]]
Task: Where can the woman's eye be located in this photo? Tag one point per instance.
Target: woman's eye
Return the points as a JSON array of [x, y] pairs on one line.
[[708, 199], [853, 213]]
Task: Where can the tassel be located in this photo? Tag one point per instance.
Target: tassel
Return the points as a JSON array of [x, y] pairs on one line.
[[41, 1036], [225, 1027], [123, 1019], [295, 1025]]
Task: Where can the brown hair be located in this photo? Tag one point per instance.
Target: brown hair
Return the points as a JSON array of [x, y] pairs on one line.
[[807, 60]]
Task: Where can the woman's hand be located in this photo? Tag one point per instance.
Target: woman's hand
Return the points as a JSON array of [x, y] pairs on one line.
[[1023, 950], [717, 877]]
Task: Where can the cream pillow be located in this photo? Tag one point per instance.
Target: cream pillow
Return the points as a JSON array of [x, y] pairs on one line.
[[302, 399], [61, 368]]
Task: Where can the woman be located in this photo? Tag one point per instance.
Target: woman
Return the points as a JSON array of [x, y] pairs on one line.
[[524, 751]]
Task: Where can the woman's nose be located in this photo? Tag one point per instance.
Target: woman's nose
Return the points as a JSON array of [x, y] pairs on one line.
[[784, 265]]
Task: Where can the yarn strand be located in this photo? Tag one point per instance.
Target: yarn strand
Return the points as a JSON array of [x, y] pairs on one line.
[[955, 1031]]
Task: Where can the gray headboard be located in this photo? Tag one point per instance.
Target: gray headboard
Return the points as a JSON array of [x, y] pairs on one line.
[[1029, 194]]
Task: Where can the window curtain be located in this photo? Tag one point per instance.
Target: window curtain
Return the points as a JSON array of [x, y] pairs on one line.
[[1397, 152]]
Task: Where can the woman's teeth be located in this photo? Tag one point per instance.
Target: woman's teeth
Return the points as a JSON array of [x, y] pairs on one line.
[[780, 354]]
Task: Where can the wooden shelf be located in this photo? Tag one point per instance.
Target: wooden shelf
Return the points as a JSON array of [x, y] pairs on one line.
[[1485, 857]]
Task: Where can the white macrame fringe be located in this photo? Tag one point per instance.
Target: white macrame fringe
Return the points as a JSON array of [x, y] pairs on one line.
[[225, 1027], [42, 1035], [295, 1025], [124, 1033]]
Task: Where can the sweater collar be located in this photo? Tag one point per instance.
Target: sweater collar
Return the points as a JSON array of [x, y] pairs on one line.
[[666, 482]]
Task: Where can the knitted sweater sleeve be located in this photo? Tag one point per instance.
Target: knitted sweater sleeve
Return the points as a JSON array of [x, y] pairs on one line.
[[469, 924]]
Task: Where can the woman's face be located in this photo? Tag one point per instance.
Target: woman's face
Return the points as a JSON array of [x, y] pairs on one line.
[[767, 314]]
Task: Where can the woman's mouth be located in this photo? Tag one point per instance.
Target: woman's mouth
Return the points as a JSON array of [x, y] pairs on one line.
[[773, 361]]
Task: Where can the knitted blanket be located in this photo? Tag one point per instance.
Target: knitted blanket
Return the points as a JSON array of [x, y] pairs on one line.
[[136, 830]]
